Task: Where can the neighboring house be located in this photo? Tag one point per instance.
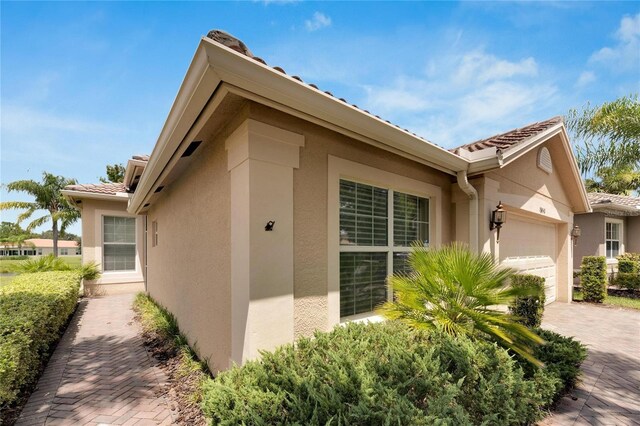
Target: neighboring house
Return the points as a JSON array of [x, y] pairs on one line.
[[269, 209], [612, 229], [39, 247]]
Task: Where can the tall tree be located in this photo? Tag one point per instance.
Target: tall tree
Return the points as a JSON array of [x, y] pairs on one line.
[[621, 181], [115, 174], [9, 229], [48, 196], [18, 240], [610, 134]]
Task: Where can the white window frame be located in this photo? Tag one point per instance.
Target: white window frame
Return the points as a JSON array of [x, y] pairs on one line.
[[341, 169], [64, 251], [117, 277], [620, 239]]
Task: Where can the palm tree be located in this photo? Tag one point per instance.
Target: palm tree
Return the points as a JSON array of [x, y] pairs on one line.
[[460, 292], [48, 197], [610, 132]]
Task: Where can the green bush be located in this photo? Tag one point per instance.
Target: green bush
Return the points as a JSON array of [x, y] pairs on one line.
[[88, 271], [528, 309], [593, 278], [33, 309], [634, 257], [627, 266], [628, 281], [384, 373]]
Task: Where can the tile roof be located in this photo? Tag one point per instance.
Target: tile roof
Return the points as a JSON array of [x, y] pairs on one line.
[[98, 188], [602, 198], [504, 141], [140, 157], [231, 42], [44, 243]]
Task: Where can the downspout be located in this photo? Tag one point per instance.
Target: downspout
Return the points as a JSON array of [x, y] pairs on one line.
[[467, 188]]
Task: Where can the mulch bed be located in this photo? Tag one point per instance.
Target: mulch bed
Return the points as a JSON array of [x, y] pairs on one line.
[[181, 390], [613, 291]]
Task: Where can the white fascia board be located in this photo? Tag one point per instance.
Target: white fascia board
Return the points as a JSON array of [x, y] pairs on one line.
[[71, 196], [614, 206], [253, 76], [575, 170], [129, 172], [197, 87]]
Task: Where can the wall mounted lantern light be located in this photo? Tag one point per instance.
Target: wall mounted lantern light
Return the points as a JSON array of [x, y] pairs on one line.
[[575, 234], [498, 218]]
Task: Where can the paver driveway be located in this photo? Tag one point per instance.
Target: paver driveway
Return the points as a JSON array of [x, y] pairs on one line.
[[609, 392], [100, 373]]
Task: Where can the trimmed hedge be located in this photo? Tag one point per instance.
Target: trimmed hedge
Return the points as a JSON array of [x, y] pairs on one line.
[[627, 266], [385, 373], [33, 309], [529, 310], [593, 278], [628, 281]]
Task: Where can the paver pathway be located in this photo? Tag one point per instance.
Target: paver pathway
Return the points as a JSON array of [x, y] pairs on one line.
[[100, 373], [609, 391]]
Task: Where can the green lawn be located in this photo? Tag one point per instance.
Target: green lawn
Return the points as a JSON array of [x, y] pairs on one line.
[[7, 265], [624, 302]]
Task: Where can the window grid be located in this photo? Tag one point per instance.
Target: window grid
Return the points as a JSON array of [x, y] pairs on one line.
[[119, 243], [359, 255], [612, 239]]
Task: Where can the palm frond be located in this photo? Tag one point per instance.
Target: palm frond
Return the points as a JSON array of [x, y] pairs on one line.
[[14, 205], [38, 222]]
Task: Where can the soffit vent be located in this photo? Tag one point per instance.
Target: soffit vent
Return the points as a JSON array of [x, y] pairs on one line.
[[191, 148], [158, 189]]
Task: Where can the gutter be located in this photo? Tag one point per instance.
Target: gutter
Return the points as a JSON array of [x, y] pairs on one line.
[[71, 196], [467, 188]]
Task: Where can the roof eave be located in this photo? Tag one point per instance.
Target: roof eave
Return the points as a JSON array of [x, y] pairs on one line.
[[213, 64], [72, 196]]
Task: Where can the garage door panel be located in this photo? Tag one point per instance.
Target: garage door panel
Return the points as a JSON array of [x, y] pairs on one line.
[[530, 248]]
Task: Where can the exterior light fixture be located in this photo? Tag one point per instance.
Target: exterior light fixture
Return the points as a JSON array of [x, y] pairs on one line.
[[269, 226], [575, 234], [498, 218]]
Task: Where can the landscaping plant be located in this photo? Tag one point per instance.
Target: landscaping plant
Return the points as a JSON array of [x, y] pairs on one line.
[[528, 310], [593, 278], [389, 373], [460, 293], [33, 310], [88, 271]]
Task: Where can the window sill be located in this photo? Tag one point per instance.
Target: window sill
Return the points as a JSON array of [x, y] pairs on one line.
[[362, 318]]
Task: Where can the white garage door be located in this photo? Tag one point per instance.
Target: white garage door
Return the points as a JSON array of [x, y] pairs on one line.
[[530, 247]]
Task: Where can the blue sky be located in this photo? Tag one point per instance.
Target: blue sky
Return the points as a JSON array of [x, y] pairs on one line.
[[88, 84]]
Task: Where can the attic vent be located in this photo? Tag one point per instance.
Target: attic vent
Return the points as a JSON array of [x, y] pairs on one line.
[[192, 147], [158, 189], [146, 205], [544, 160]]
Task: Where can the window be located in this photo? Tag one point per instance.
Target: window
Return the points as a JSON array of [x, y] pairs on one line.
[[613, 237], [377, 228], [64, 252], [39, 252], [29, 252], [154, 235], [119, 243]]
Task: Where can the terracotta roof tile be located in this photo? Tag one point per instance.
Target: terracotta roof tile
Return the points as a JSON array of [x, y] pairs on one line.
[[140, 157], [99, 188], [601, 198], [504, 141]]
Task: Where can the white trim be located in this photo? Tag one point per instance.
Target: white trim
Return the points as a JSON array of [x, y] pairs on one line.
[[620, 238], [72, 194], [116, 277], [339, 168]]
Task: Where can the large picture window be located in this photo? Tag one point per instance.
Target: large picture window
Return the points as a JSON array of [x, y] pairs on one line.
[[377, 228], [613, 237], [119, 243]]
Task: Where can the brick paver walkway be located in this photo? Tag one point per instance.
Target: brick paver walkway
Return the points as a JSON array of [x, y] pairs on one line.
[[100, 373], [609, 392]]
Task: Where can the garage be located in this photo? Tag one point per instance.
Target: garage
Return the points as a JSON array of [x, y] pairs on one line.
[[530, 247]]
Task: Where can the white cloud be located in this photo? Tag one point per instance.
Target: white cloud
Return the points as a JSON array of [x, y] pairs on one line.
[[478, 67], [586, 78], [318, 21], [625, 55]]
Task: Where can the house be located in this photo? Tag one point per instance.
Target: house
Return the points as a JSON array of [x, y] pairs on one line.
[[39, 247], [611, 229], [269, 209]]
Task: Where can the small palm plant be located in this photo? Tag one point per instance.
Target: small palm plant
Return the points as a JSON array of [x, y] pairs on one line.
[[461, 293]]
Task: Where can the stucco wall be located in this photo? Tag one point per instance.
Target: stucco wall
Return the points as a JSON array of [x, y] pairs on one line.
[[633, 234], [310, 206], [591, 241], [189, 269], [109, 282]]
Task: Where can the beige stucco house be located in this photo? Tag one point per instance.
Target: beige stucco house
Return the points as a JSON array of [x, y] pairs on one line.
[[611, 229], [269, 209]]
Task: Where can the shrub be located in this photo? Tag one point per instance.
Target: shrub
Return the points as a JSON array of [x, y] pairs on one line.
[[634, 257], [33, 309], [528, 309], [454, 290], [627, 266], [384, 373], [88, 271], [628, 281], [593, 278]]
